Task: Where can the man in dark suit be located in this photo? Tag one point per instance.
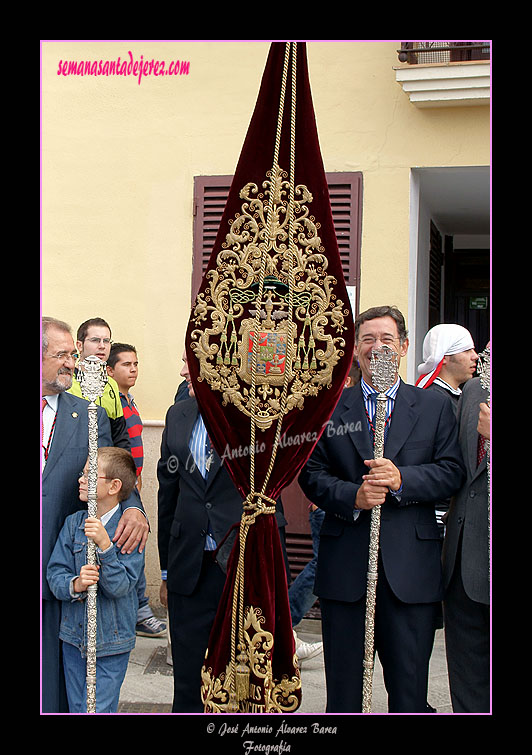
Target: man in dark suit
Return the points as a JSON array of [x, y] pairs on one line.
[[64, 455], [421, 463], [466, 563], [198, 504]]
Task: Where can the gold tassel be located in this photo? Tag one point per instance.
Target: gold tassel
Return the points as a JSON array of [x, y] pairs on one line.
[[232, 705], [242, 675]]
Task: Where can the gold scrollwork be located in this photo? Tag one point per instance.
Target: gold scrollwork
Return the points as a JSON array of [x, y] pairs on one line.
[[296, 317], [271, 696]]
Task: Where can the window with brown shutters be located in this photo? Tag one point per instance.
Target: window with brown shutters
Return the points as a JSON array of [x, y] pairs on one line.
[[210, 196], [345, 189]]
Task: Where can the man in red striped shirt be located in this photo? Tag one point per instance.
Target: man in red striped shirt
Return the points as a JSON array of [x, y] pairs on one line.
[[123, 366]]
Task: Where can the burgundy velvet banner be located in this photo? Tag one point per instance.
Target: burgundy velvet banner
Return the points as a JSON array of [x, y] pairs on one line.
[[228, 427], [285, 279]]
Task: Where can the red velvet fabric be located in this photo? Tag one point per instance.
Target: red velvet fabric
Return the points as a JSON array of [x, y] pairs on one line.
[[266, 592], [228, 427]]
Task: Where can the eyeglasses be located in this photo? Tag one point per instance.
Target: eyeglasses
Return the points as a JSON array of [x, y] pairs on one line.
[[105, 341], [86, 476], [371, 341], [64, 356]]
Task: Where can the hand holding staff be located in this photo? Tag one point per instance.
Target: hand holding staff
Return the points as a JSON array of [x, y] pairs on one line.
[[93, 379], [383, 367]]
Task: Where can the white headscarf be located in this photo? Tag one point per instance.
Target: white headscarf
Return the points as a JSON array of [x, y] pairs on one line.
[[440, 341]]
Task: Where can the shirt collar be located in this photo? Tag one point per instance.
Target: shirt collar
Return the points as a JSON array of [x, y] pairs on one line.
[[456, 391], [108, 514], [367, 390], [52, 400]]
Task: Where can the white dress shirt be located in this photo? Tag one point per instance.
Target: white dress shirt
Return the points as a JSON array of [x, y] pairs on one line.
[[48, 416]]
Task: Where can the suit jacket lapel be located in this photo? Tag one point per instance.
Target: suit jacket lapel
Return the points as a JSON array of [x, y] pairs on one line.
[[472, 448], [184, 427], [189, 417], [477, 395], [66, 424], [215, 467], [481, 467], [404, 416], [355, 420]]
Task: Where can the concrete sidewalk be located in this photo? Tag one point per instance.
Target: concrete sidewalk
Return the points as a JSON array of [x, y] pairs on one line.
[[148, 686]]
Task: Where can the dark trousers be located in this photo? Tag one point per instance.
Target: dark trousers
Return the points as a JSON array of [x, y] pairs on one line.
[[54, 697], [191, 618], [467, 643], [404, 636]]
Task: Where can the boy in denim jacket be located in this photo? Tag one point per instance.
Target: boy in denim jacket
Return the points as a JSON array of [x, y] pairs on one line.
[[117, 574]]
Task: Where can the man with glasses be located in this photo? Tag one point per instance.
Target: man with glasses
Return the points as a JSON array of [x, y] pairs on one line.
[[65, 445], [422, 462], [94, 339]]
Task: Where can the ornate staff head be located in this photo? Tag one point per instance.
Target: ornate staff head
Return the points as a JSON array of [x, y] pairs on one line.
[[93, 377], [383, 366], [484, 368]]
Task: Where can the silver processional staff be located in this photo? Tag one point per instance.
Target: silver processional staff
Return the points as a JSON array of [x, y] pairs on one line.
[[383, 366], [92, 381]]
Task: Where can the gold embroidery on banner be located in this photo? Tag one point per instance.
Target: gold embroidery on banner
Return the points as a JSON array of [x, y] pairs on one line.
[[292, 345], [269, 697]]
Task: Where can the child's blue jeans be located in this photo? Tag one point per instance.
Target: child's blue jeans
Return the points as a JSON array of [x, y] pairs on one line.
[[110, 673]]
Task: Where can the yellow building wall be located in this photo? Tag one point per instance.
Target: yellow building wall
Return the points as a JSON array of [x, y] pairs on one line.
[[118, 163]]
